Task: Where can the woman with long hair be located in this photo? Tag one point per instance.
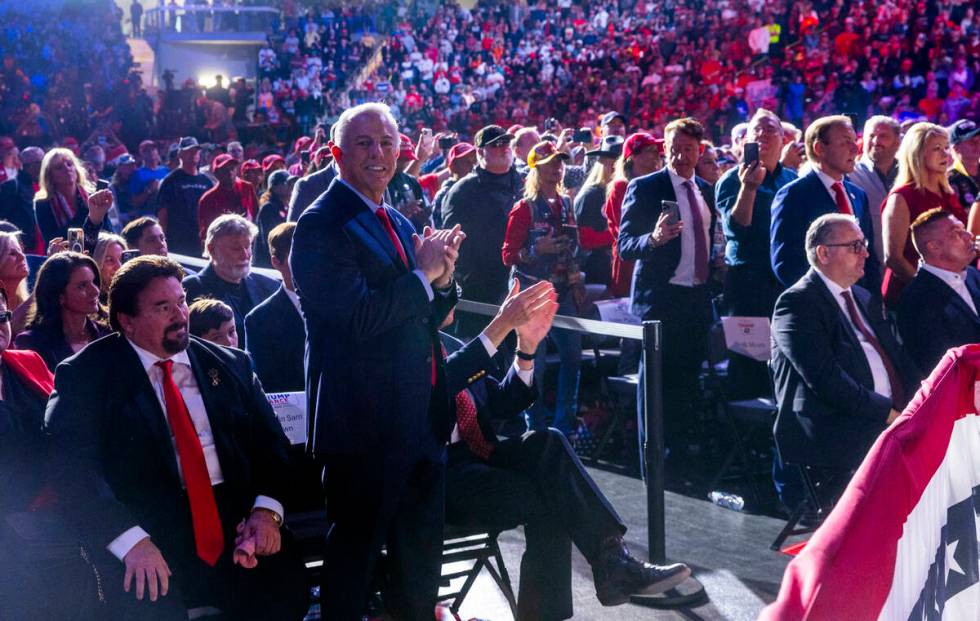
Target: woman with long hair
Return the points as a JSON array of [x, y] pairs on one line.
[[921, 185], [540, 245], [66, 298], [641, 156], [594, 237], [13, 278], [108, 256], [67, 199]]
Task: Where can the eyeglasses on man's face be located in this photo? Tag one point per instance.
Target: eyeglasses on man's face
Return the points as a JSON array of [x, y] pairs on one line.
[[857, 246]]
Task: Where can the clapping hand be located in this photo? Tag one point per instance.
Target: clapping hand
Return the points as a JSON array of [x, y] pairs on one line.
[[520, 309], [436, 253]]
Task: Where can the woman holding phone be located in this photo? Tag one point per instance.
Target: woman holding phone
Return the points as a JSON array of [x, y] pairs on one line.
[[540, 244], [66, 199]]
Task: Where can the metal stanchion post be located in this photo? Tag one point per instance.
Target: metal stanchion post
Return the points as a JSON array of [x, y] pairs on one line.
[[690, 591]]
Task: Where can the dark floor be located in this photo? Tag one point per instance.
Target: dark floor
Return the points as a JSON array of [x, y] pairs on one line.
[[728, 551]]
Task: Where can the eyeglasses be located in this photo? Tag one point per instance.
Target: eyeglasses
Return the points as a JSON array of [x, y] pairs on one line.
[[5, 316], [856, 246]]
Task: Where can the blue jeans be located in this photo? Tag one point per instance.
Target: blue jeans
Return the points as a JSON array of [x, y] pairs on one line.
[[569, 345]]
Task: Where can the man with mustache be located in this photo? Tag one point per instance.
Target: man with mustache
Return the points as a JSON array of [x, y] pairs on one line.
[[169, 458], [228, 277]]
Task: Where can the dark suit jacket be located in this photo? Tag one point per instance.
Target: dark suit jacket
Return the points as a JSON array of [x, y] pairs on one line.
[[275, 337], [115, 463], [307, 190], [828, 413], [641, 209], [207, 283], [795, 206], [932, 317], [17, 206], [371, 335]]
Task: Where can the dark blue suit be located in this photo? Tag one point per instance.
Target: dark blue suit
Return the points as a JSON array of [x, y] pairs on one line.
[[795, 207], [377, 422], [828, 413], [275, 338], [932, 317]]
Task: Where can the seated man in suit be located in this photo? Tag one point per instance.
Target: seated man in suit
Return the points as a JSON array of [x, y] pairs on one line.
[[229, 277], [169, 458], [537, 480], [831, 147], [840, 376], [274, 332], [938, 309]]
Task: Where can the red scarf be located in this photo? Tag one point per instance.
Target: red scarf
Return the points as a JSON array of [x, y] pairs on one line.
[[29, 367]]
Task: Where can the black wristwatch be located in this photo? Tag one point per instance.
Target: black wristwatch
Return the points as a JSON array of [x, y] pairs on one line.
[[525, 356]]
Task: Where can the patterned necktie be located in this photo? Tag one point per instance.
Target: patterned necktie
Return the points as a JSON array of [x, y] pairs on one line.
[[469, 426], [700, 243], [843, 206], [208, 537], [386, 223], [898, 393]]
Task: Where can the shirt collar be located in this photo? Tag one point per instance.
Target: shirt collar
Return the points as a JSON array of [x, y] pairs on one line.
[[370, 203], [826, 179], [953, 279], [835, 289], [676, 179], [149, 359], [293, 297]]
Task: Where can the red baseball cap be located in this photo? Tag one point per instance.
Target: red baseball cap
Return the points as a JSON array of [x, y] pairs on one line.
[[407, 149], [251, 165], [458, 150], [637, 142], [302, 144], [223, 160], [270, 160]]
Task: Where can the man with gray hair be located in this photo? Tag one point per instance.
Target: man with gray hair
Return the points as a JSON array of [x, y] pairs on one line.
[[228, 276], [875, 172], [840, 376]]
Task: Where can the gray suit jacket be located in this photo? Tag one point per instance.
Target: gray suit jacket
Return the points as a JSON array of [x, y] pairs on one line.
[[308, 189], [865, 177]]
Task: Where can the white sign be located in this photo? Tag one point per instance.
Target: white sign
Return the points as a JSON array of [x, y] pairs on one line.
[[290, 409], [617, 310], [748, 336]]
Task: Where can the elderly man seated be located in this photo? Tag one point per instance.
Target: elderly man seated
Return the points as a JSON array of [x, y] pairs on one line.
[[938, 309], [228, 277]]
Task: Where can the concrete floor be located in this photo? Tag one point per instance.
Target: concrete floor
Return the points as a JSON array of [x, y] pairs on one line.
[[728, 551]]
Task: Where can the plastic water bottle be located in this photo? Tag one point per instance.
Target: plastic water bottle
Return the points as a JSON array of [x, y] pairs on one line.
[[726, 500]]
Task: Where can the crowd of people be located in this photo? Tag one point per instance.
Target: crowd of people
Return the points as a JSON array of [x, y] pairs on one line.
[[140, 449]]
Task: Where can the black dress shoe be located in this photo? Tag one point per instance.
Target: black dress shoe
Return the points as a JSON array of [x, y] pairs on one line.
[[618, 575]]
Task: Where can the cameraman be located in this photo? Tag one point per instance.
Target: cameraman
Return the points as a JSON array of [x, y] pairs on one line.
[[540, 244]]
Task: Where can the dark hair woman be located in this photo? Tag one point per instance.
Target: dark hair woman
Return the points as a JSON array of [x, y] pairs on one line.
[[66, 299]]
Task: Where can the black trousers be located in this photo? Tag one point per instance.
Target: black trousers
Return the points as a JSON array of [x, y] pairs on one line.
[[372, 503], [536, 480]]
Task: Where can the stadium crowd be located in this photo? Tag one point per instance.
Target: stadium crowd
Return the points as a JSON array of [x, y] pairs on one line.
[[135, 420]]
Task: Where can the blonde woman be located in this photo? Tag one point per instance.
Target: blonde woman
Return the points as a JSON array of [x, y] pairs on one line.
[[13, 279], [921, 185], [540, 245], [66, 199], [595, 239], [108, 256]]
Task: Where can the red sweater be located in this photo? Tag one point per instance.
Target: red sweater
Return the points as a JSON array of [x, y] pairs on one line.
[[239, 199], [622, 271]]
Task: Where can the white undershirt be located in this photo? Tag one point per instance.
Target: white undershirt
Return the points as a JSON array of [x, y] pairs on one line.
[[955, 281]]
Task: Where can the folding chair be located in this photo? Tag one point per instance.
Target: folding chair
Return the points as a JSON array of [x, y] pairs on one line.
[[811, 499], [480, 547]]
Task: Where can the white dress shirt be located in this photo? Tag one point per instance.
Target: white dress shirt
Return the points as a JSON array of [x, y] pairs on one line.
[[955, 280], [375, 207], [684, 274], [526, 376], [828, 182], [294, 298], [183, 377], [882, 385]]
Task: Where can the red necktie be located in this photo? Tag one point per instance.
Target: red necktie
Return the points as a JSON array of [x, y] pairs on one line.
[[204, 511], [843, 206], [469, 426], [700, 243], [382, 214], [898, 393]]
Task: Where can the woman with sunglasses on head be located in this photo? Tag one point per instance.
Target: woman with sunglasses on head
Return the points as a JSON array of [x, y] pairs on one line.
[[66, 303]]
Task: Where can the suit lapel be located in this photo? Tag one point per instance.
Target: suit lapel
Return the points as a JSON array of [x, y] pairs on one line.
[[842, 319], [946, 293], [214, 383], [820, 194]]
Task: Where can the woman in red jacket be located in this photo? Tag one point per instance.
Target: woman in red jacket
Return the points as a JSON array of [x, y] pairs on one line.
[[641, 156]]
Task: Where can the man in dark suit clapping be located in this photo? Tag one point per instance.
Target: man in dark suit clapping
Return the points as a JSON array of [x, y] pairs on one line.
[[170, 458], [373, 295], [839, 374], [938, 309]]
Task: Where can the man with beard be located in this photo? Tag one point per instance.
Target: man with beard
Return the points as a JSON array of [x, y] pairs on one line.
[[228, 276], [877, 169], [172, 461]]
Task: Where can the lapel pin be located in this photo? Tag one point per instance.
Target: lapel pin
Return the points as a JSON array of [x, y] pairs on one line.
[[215, 378]]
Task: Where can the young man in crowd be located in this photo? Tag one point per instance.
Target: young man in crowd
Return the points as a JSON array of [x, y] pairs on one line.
[[180, 194]]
